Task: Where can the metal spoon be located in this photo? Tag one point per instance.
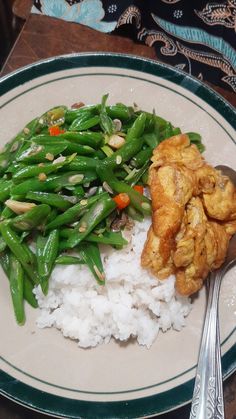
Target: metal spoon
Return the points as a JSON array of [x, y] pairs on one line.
[[208, 400]]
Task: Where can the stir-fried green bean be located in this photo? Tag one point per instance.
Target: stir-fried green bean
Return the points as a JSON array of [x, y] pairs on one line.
[[91, 255], [20, 250], [69, 260], [73, 213], [16, 277], [62, 202], [97, 212], [46, 251]]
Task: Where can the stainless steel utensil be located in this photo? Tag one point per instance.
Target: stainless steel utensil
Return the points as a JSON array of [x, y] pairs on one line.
[[208, 400]]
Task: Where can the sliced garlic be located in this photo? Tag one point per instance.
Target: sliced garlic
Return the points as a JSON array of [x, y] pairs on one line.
[[116, 141], [19, 207]]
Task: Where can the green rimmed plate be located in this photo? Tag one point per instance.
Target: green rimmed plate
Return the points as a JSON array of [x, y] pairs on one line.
[[41, 369]]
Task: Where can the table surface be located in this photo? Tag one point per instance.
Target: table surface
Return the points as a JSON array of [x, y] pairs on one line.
[[37, 32]]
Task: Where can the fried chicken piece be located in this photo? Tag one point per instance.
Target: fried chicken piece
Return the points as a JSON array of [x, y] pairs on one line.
[[190, 251], [171, 187], [220, 204], [152, 259], [206, 177], [230, 226], [193, 215], [201, 249], [177, 149], [217, 241]]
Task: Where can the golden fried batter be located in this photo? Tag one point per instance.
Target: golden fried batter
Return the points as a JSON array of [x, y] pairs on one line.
[[193, 215], [152, 258]]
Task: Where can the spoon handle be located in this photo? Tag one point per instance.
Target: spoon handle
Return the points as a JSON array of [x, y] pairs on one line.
[[207, 399]]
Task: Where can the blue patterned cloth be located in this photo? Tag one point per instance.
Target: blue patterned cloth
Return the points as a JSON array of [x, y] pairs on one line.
[[196, 36]]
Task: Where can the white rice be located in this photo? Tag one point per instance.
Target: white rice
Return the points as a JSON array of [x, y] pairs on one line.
[[133, 303]]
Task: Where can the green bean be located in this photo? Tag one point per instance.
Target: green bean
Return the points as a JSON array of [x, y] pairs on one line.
[[99, 154], [77, 190], [16, 278], [134, 178], [63, 245], [107, 150], [5, 262], [62, 202], [82, 163], [91, 255], [51, 216], [159, 122], [73, 213], [84, 121], [46, 252], [141, 158], [11, 148], [3, 245], [69, 146], [108, 237], [28, 292], [86, 178], [168, 131], [120, 174], [69, 260], [89, 177], [134, 214], [137, 128], [144, 177], [12, 168], [195, 138], [55, 116], [72, 114], [47, 168], [39, 153], [5, 187], [24, 235], [30, 219], [139, 201], [7, 213], [20, 250], [124, 154], [28, 286], [152, 139], [51, 183], [176, 131], [21, 149], [90, 138], [119, 111], [106, 122], [97, 212]]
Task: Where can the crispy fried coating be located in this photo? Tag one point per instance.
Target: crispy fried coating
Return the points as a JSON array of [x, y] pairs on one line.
[[151, 257], [194, 268], [220, 203], [177, 149], [193, 215], [174, 188]]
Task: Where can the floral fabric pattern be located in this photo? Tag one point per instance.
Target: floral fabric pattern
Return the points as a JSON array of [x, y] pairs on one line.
[[85, 12], [196, 36]]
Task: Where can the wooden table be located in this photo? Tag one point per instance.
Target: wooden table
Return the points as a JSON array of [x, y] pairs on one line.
[[61, 37]]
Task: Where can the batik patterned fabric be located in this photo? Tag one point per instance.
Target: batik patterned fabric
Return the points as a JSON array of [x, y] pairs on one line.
[[196, 36]]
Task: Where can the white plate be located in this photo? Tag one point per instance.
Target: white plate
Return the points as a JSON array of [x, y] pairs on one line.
[[40, 368]]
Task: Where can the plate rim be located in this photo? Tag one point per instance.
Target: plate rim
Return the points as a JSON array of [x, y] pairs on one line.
[[129, 407]]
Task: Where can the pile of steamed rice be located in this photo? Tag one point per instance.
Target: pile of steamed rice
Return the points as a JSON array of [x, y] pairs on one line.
[[133, 303]]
